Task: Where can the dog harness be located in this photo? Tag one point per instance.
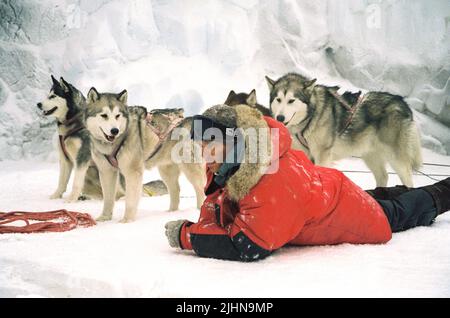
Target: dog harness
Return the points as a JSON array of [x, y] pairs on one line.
[[62, 138], [302, 139], [112, 157], [351, 109], [162, 136]]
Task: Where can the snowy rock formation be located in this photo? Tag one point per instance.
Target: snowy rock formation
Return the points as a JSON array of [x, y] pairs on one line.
[[171, 53]]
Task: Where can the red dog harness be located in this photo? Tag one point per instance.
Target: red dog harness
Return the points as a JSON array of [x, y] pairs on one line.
[[162, 136], [352, 109], [62, 138]]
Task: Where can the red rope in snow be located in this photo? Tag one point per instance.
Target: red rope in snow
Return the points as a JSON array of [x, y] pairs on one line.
[[49, 221]]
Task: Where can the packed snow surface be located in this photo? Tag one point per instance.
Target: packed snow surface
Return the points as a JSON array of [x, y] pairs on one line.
[[134, 260]]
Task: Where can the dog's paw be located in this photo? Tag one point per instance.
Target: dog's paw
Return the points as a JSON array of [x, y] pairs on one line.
[[71, 199], [56, 195], [103, 218], [126, 220]]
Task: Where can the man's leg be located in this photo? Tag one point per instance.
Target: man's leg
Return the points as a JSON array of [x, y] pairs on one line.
[[440, 192], [417, 207], [388, 193], [410, 209]]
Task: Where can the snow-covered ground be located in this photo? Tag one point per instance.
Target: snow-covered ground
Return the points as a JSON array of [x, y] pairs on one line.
[[114, 259]]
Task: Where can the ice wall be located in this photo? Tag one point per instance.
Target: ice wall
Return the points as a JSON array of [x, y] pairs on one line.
[[191, 53]]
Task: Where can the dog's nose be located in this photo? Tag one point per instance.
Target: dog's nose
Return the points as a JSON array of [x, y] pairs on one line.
[[114, 131], [39, 105], [281, 118]]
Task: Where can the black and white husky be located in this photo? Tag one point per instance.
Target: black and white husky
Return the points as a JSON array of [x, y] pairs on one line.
[[67, 104]]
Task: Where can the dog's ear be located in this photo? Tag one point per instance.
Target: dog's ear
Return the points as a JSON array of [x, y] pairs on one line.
[[55, 81], [270, 83], [251, 99], [93, 95], [123, 96], [230, 96], [309, 83], [65, 86]]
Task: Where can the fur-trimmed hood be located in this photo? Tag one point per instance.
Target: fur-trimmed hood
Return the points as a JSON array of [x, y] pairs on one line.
[[259, 149]]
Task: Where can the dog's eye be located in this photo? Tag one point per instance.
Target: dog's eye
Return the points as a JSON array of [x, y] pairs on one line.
[[279, 100], [51, 96], [117, 116], [104, 116], [291, 101]]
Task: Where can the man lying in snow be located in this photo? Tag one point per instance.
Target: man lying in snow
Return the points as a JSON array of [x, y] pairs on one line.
[[249, 213]]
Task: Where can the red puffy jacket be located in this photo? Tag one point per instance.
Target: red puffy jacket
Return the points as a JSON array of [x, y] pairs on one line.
[[300, 204]]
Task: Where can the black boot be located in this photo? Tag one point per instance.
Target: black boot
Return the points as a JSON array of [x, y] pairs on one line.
[[440, 192], [388, 193]]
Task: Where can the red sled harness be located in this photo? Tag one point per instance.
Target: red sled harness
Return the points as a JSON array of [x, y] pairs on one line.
[[49, 221], [162, 136], [62, 138], [351, 109], [112, 157]]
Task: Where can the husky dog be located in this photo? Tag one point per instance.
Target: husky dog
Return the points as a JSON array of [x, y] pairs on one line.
[[67, 104], [234, 99], [128, 139], [378, 126]]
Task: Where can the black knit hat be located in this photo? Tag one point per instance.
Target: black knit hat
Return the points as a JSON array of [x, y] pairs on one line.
[[222, 120]]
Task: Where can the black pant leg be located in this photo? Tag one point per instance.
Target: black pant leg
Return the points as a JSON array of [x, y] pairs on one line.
[[410, 209], [388, 193]]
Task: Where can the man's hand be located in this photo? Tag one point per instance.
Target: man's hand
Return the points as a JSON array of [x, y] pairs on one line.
[[173, 229]]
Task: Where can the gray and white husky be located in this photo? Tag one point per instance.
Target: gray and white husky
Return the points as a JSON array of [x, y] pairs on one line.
[[328, 126], [67, 104], [125, 140]]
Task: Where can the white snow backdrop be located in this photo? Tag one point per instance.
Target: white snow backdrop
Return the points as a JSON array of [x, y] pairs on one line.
[[189, 54]]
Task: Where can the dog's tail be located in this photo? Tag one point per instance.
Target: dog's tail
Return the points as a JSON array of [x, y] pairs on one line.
[[414, 148]]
